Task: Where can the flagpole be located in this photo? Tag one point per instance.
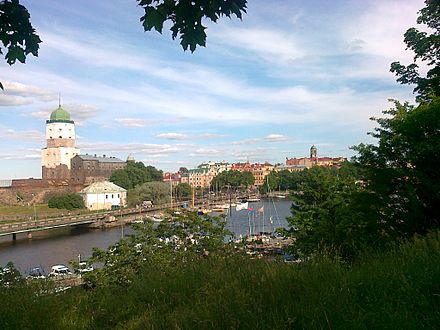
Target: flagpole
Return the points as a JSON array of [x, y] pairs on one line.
[[249, 221]]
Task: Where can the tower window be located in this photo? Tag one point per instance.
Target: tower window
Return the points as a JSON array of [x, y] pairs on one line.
[[60, 137]]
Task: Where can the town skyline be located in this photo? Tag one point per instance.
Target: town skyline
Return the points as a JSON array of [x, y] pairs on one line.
[[262, 90]]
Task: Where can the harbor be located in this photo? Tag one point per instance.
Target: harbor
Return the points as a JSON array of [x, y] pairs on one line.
[[64, 244]]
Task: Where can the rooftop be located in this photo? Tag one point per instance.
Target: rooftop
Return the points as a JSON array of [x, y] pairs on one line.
[[102, 159], [60, 115], [102, 187]]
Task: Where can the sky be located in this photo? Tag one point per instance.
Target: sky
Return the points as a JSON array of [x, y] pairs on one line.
[[291, 74]]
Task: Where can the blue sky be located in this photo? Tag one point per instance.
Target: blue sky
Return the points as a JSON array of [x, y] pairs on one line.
[[291, 74]]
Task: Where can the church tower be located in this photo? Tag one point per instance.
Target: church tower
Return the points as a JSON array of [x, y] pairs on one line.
[[60, 149]]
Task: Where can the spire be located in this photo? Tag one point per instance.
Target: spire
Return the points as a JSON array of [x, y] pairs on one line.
[[59, 100]]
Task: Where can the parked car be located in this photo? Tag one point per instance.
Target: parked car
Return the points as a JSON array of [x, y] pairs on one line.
[[59, 270], [83, 268], [36, 272]]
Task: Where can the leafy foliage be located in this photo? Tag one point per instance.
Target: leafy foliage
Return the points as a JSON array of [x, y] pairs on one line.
[[233, 179], [157, 192], [327, 214], [427, 49], [10, 276], [397, 289], [283, 180], [185, 240], [183, 190], [402, 170], [186, 17], [67, 201], [134, 174], [16, 32]]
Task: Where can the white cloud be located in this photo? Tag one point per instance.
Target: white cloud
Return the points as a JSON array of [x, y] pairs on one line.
[[172, 136], [16, 93], [31, 135], [10, 100], [205, 152], [135, 148], [274, 46], [276, 138], [131, 122]]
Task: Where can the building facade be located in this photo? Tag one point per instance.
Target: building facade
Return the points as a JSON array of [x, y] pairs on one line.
[[258, 170], [204, 173], [87, 169], [104, 195], [313, 160]]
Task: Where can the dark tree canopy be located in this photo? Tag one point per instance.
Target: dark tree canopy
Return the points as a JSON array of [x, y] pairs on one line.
[[186, 17], [233, 179], [426, 48], [183, 190], [16, 33], [134, 174], [68, 202]]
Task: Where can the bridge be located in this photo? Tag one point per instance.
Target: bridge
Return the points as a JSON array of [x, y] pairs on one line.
[[51, 223]]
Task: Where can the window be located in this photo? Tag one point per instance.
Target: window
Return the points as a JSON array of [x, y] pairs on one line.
[[106, 196], [118, 195], [112, 196]]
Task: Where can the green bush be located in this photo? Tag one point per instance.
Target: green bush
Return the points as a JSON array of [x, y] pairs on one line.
[[68, 202]]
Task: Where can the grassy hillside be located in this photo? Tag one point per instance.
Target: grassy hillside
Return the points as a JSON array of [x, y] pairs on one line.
[[397, 289]]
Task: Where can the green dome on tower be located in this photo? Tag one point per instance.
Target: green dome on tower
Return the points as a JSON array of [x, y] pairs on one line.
[[60, 115]]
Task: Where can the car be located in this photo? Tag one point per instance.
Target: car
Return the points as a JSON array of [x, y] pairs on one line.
[[36, 272], [59, 270], [83, 268]]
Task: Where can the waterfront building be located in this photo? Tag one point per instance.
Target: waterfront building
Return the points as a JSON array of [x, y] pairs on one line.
[[204, 173], [258, 170], [313, 160], [104, 195], [175, 178], [60, 146]]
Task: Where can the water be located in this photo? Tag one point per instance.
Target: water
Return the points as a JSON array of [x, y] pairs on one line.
[[59, 246], [244, 222]]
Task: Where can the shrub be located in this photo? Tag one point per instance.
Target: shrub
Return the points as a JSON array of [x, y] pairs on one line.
[[68, 202]]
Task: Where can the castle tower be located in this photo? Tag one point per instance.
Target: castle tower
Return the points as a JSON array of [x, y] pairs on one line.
[[314, 154], [60, 149]]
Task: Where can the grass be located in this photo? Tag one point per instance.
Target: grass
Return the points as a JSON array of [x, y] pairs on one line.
[[396, 289], [16, 213]]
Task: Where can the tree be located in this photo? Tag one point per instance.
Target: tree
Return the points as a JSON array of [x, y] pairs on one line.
[[427, 49], [183, 190], [186, 17], [183, 170], [157, 192], [153, 174], [10, 276], [67, 201], [19, 37], [327, 213], [120, 178], [16, 32], [233, 179], [134, 174], [283, 180], [168, 246], [402, 169]]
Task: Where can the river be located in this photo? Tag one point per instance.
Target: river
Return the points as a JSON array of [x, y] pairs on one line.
[[59, 246]]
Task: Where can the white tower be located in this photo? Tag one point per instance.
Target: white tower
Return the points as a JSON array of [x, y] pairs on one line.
[[60, 138]]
